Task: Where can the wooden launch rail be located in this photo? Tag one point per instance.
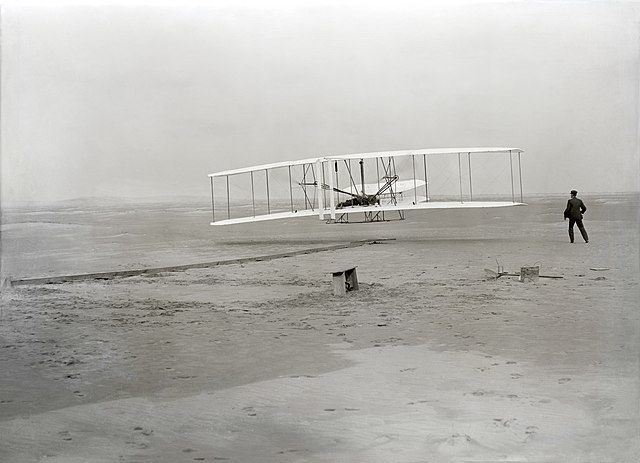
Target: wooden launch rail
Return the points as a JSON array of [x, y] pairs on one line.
[[8, 282]]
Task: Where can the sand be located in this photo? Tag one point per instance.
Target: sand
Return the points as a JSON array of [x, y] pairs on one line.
[[432, 360]]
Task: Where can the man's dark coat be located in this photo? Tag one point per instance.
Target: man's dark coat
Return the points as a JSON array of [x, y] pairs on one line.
[[575, 209]]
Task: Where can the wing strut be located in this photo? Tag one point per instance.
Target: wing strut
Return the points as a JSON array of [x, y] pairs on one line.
[[253, 196], [304, 183], [426, 179], [470, 181], [332, 200], [513, 194], [266, 175], [520, 176], [290, 189], [228, 199], [415, 184], [460, 178], [319, 193], [213, 203]]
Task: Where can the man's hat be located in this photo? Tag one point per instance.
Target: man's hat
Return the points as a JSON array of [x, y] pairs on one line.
[[574, 192]]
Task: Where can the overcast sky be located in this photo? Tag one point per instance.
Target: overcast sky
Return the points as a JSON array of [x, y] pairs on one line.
[[107, 100]]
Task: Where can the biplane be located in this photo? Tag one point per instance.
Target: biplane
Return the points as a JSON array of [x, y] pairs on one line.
[[378, 186]]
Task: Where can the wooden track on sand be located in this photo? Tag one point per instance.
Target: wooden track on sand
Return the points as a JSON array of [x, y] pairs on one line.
[[8, 282]]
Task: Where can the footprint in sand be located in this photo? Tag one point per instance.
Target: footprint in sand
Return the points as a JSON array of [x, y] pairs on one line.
[[457, 443], [531, 432], [503, 423], [420, 402], [250, 411], [140, 442], [137, 445], [145, 432]]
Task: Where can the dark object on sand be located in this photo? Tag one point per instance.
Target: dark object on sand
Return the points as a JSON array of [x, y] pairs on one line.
[[345, 280]]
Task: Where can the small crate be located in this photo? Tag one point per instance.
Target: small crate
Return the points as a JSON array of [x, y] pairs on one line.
[[345, 280]]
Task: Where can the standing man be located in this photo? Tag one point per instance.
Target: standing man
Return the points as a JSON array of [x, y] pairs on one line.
[[573, 212]]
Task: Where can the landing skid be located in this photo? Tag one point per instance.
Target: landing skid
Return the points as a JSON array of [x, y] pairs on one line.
[[368, 217]]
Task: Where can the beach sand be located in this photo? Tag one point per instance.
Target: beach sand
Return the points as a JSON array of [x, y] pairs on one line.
[[431, 360]]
